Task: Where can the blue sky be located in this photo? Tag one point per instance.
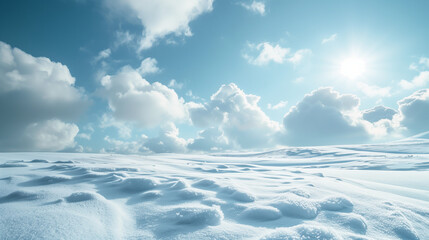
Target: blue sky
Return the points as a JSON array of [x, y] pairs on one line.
[[275, 58]]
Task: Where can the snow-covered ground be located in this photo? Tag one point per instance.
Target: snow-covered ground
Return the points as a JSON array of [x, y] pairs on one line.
[[340, 192]]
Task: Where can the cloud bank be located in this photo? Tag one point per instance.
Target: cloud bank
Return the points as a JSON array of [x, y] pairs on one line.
[[37, 99], [325, 117], [237, 117], [414, 111]]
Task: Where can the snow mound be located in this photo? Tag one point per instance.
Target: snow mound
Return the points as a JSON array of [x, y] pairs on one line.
[[113, 169], [303, 232], [351, 221], [261, 213], [39, 161], [136, 185], [151, 195], [179, 184], [210, 216], [206, 183], [62, 167], [12, 165], [190, 194], [19, 196], [299, 192], [238, 195], [297, 207], [81, 196], [402, 226], [46, 180], [364, 194], [65, 161], [336, 204]]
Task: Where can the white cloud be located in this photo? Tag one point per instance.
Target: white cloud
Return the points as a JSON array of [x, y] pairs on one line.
[[419, 81], [168, 141], [264, 53], [421, 65], [123, 147], [89, 130], [103, 54], [133, 99], [424, 61], [414, 111], [176, 85], [267, 53], [50, 135], [299, 55], [238, 116], [325, 117], [211, 139], [162, 17], [123, 129], [373, 90], [255, 6], [277, 106], [413, 66], [194, 97], [148, 66], [37, 96], [331, 38], [298, 80], [378, 113], [123, 38]]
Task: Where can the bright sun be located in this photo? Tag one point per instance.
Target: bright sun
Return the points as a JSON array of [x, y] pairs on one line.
[[353, 67]]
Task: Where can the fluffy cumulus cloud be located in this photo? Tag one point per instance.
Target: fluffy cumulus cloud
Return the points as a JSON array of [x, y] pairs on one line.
[[238, 118], [147, 66], [378, 113], [50, 135], [163, 17], [414, 111], [37, 98], [325, 117], [134, 100], [255, 6]]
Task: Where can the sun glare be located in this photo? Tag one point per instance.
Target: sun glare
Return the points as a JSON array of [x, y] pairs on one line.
[[353, 67]]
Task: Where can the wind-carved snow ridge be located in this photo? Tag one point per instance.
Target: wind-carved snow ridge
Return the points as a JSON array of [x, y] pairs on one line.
[[358, 192]]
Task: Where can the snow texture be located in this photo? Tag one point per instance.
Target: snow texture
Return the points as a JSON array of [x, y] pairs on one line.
[[337, 192]]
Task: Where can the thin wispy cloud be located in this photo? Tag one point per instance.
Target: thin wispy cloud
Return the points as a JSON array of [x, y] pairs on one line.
[[266, 53], [277, 106], [331, 38]]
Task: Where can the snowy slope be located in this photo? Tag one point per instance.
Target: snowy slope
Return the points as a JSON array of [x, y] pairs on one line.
[[340, 192]]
